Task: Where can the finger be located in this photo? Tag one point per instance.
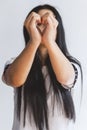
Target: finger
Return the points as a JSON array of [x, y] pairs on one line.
[[28, 19], [35, 20], [54, 20], [47, 21], [52, 17], [44, 18]]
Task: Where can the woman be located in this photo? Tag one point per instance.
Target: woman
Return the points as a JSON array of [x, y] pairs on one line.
[[43, 74]]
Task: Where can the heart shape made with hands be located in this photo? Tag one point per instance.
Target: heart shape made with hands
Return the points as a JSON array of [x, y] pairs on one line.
[[41, 27]]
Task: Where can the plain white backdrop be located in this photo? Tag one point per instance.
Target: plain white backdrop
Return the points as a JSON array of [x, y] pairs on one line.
[[12, 15]]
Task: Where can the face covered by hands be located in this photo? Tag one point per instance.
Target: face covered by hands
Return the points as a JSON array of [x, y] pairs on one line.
[[42, 27]]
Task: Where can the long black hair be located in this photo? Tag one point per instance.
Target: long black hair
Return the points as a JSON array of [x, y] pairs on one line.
[[34, 90]]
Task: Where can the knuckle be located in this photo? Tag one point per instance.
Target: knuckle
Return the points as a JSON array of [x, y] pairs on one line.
[[33, 13]]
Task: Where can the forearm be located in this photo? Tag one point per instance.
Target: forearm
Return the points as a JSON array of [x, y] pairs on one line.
[[17, 72], [61, 65]]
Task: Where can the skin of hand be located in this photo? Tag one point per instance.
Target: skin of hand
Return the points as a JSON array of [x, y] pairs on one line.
[[49, 25], [49, 33], [31, 25]]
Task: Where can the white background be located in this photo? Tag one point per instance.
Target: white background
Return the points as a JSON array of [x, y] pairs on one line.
[[12, 15]]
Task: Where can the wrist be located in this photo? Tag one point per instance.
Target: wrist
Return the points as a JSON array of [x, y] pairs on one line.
[[50, 44], [35, 43], [52, 47]]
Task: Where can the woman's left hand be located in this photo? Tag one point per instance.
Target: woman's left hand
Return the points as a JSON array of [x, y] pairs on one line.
[[50, 31]]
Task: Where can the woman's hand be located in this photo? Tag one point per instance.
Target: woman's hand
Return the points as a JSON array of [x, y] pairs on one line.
[[31, 25], [50, 31]]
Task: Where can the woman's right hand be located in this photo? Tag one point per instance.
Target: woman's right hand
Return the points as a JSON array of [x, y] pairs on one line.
[[31, 25]]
